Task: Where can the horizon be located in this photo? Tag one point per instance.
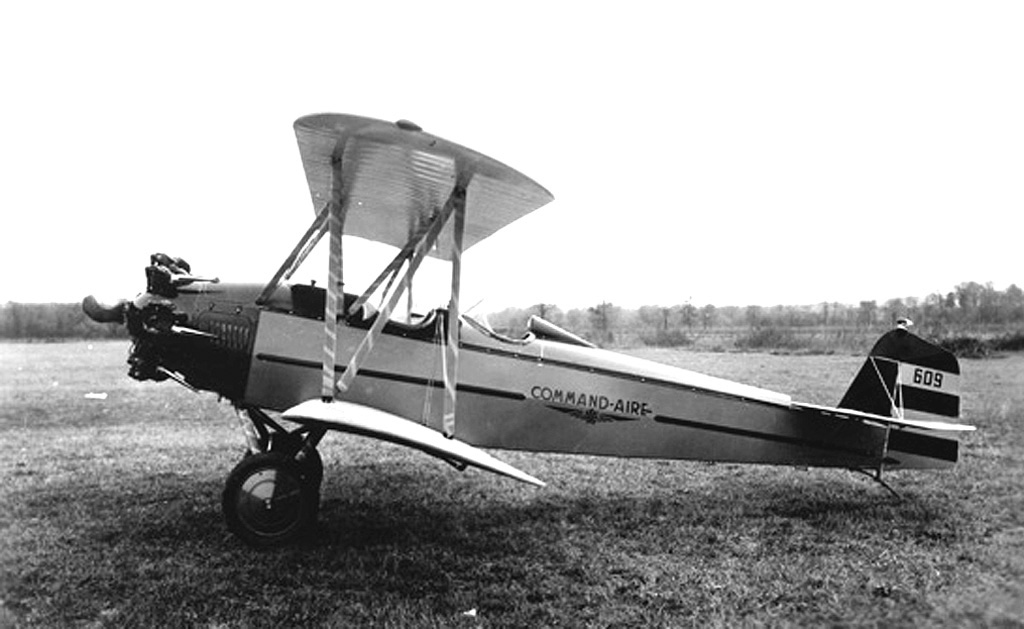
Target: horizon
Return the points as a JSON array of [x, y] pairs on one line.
[[921, 299]]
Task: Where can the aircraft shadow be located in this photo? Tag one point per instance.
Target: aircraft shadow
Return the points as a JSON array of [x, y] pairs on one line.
[[374, 508]]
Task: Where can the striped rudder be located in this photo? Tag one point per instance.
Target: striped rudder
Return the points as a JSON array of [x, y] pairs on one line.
[[905, 372]]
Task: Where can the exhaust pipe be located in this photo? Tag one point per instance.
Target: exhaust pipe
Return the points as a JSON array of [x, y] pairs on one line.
[[104, 314]]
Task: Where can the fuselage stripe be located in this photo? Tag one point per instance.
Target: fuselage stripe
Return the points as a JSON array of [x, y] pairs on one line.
[[395, 377]]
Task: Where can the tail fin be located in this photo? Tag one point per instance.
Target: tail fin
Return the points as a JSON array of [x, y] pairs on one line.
[[905, 372]]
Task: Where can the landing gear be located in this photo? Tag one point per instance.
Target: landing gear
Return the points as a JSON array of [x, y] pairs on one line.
[[289, 444], [311, 466], [273, 494], [271, 499]]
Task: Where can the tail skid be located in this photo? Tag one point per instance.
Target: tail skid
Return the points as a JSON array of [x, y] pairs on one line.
[[876, 475]]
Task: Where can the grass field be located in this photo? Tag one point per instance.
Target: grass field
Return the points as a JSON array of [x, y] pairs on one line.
[[111, 518]]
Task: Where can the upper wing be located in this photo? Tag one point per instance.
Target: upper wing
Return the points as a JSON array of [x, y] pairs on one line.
[[372, 422], [393, 177]]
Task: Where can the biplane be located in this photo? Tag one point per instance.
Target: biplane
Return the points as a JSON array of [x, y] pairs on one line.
[[298, 361]]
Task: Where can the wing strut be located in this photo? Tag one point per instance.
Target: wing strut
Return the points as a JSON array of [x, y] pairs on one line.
[[451, 359], [390, 271], [335, 283], [422, 246], [298, 255]]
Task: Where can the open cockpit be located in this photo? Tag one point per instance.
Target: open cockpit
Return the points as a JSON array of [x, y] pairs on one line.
[[307, 300]]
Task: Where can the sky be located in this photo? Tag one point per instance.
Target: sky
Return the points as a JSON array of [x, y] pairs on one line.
[[731, 153]]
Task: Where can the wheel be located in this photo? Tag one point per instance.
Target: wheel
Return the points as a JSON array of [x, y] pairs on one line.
[[268, 500]]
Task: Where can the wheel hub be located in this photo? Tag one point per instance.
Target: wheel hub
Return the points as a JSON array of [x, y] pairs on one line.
[[269, 501]]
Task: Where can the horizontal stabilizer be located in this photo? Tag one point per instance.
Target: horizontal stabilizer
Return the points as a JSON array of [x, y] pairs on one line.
[[922, 424], [371, 422]]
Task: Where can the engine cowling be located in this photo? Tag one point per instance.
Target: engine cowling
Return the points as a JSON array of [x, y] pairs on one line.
[[193, 330]]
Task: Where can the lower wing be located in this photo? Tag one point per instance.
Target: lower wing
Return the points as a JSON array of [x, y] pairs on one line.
[[371, 422]]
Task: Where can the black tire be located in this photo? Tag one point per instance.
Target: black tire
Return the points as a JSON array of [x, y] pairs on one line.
[[269, 501]]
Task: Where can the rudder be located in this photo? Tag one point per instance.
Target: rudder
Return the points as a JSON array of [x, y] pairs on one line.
[[905, 372]]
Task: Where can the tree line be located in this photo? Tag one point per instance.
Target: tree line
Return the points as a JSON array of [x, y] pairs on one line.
[[52, 322], [969, 308]]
